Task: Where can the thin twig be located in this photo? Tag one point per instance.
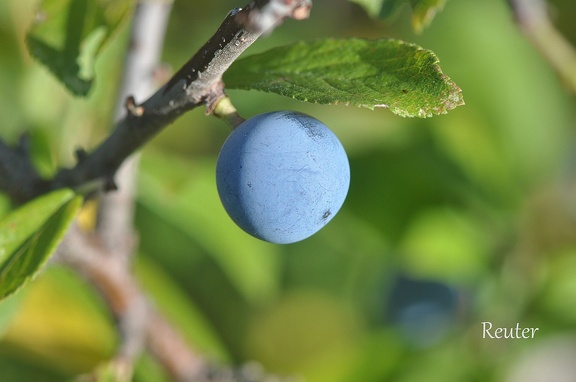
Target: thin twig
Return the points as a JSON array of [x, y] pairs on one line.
[[120, 290], [114, 227], [142, 60], [532, 18]]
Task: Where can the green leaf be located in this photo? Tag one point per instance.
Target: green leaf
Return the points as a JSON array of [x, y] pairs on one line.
[[30, 234], [366, 73], [380, 8], [68, 35], [423, 11]]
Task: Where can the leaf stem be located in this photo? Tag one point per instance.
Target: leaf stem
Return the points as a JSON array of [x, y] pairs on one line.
[[225, 109]]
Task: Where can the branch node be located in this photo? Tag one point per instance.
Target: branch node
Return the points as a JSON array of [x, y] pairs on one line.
[[81, 154], [213, 96], [110, 184], [132, 108], [265, 15], [302, 11]]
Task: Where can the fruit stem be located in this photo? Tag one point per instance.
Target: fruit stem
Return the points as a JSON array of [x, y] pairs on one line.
[[225, 109]]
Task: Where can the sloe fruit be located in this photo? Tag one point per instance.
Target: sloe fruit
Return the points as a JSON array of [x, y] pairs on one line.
[[282, 176]]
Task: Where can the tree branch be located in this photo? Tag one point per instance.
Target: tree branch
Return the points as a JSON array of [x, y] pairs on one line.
[[199, 82], [114, 224], [18, 177], [122, 294], [115, 215], [532, 18]]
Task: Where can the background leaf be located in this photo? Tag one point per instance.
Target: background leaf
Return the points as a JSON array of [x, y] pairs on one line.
[[383, 73], [74, 335], [29, 235], [69, 34], [188, 199], [380, 8], [423, 11]]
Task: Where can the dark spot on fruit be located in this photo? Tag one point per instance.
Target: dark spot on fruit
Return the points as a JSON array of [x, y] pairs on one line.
[[309, 125], [326, 214]]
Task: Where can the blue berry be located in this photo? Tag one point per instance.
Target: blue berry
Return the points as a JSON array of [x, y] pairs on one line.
[[282, 176], [424, 311]]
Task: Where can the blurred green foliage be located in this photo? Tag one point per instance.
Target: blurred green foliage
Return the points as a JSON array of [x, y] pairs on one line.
[[482, 200], [67, 36], [423, 11]]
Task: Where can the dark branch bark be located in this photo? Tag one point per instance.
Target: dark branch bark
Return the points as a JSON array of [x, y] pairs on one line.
[[18, 177], [199, 82]]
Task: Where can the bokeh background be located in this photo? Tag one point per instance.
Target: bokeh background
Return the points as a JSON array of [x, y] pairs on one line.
[[450, 221]]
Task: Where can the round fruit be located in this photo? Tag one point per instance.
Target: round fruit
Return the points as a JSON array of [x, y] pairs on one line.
[[424, 311], [282, 176]]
